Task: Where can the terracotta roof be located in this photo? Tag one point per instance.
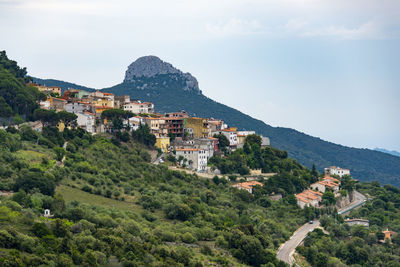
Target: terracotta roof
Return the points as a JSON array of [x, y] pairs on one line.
[[58, 99], [332, 179], [108, 94], [248, 185], [187, 149], [327, 183], [301, 198]]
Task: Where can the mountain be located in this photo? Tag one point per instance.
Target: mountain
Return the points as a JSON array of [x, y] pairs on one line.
[[151, 79], [391, 152]]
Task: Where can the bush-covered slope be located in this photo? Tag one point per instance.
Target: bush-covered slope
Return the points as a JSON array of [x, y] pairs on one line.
[[111, 205], [16, 98]]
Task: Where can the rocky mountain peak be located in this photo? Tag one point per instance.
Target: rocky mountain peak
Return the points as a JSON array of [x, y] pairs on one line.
[[151, 66]]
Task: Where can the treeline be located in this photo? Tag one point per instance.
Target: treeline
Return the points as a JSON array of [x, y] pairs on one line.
[[17, 99]]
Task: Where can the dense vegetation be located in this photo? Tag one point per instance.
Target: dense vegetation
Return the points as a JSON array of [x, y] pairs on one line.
[[167, 94], [16, 98], [143, 215], [359, 245]]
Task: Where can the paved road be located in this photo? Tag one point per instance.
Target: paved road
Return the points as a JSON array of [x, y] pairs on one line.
[[359, 199], [286, 251]]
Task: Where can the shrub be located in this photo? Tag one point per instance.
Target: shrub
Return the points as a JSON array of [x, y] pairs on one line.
[[188, 238]]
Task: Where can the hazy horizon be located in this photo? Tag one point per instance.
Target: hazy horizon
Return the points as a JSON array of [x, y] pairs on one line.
[[328, 69]]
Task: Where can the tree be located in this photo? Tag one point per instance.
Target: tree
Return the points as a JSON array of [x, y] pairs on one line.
[[35, 179], [69, 119], [47, 117], [328, 198], [5, 110], [253, 139], [117, 116], [314, 174], [144, 136], [60, 152], [347, 183], [223, 142]]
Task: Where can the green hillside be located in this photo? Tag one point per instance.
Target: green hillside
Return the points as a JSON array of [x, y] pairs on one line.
[[16, 98], [111, 205]]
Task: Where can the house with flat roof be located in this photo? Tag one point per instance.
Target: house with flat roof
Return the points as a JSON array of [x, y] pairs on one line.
[[333, 170], [196, 158]]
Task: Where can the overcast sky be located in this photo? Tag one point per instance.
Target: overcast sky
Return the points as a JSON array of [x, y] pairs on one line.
[[327, 68]]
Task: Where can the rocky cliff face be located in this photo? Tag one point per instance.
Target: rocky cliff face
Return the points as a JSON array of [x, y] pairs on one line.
[[152, 66]]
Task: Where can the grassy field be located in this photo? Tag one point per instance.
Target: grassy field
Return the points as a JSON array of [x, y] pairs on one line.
[[71, 194]]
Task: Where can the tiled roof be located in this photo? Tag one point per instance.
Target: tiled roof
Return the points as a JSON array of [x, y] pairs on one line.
[[187, 149], [248, 185]]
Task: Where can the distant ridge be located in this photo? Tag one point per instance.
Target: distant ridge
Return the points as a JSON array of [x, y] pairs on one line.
[[391, 152], [168, 91], [63, 85]]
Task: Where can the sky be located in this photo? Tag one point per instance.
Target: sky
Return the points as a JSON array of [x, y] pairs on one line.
[[330, 69]]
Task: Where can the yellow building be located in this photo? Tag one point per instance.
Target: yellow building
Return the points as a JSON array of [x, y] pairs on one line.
[[47, 89], [103, 102], [157, 126], [197, 127], [100, 109], [162, 143], [61, 126]]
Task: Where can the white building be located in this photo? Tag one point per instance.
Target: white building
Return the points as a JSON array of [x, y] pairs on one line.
[[265, 141], [134, 123], [246, 133], [196, 158], [45, 105], [87, 121], [333, 170], [76, 107], [138, 107], [230, 133]]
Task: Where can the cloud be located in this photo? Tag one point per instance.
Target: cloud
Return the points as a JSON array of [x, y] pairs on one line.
[[235, 27], [368, 30]]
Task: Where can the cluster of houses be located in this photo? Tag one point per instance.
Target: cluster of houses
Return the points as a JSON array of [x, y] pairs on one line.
[[193, 139], [313, 195]]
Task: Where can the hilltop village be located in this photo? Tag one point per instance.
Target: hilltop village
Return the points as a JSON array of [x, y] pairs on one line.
[[192, 141], [189, 137]]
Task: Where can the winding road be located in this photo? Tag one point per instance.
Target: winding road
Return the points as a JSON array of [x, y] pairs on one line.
[[285, 252]]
